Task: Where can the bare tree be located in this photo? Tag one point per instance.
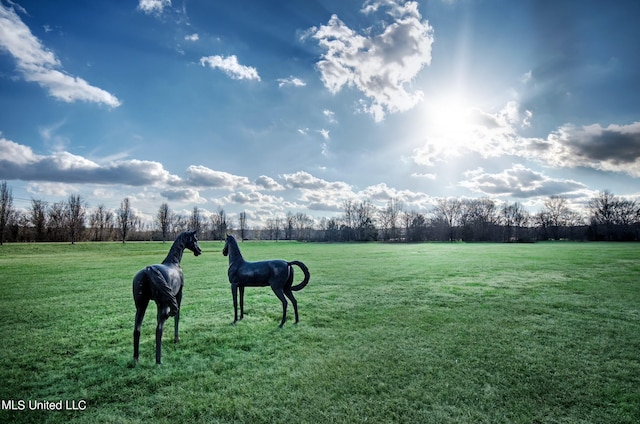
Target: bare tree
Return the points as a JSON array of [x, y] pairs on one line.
[[180, 224], [196, 222], [219, 224], [6, 208], [602, 207], [405, 220], [348, 220], [289, 225], [614, 218], [101, 221], [358, 221], [330, 228], [57, 222], [625, 212], [365, 228], [542, 222], [76, 211], [416, 226], [304, 225], [514, 217], [388, 218], [272, 228], [557, 213], [126, 218], [477, 218], [448, 210], [163, 219], [38, 218], [243, 225]]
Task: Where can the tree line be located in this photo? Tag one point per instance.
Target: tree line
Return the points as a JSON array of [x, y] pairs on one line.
[[610, 218]]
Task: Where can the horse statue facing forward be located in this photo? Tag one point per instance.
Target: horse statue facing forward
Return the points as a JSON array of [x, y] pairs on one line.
[[162, 283], [275, 273]]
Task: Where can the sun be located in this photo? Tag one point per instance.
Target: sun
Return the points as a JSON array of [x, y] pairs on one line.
[[449, 117], [444, 127]]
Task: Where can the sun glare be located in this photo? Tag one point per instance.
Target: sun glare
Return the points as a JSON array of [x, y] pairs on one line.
[[445, 126], [449, 117]]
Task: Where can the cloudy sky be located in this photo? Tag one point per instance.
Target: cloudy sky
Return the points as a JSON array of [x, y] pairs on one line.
[[283, 105]]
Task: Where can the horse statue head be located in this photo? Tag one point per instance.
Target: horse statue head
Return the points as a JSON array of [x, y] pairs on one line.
[[191, 242], [225, 249]]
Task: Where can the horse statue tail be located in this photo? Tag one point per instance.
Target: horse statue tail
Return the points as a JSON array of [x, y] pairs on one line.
[[161, 290], [304, 269]]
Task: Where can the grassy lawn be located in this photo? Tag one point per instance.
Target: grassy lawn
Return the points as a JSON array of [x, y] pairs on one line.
[[434, 333]]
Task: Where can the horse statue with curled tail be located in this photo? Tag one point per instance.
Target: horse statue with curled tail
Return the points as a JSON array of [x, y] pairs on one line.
[[163, 284], [275, 273]]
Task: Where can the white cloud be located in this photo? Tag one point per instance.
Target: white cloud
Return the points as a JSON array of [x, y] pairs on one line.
[[319, 194], [17, 154], [429, 153], [423, 175], [381, 193], [324, 133], [230, 66], [255, 199], [330, 115], [205, 177], [304, 180], [614, 148], [380, 65], [189, 195], [153, 6], [473, 130], [51, 189], [38, 64], [296, 82], [18, 162], [520, 182], [192, 37], [268, 183]]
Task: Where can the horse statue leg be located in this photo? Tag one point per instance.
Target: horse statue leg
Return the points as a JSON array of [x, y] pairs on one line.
[[280, 294], [241, 302], [289, 294], [234, 293], [141, 308], [163, 315], [176, 318], [141, 298]]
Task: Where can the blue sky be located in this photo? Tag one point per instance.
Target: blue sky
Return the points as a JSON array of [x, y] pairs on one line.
[[276, 106]]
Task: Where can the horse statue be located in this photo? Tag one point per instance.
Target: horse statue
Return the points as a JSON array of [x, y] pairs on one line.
[[275, 273], [162, 283]]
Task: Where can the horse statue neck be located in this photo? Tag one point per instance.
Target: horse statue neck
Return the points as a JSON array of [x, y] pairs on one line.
[[234, 250], [175, 253]]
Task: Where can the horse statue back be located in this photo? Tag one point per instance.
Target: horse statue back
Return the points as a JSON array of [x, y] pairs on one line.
[[163, 284], [275, 273]]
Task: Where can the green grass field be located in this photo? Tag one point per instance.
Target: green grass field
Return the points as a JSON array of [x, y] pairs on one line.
[[433, 333]]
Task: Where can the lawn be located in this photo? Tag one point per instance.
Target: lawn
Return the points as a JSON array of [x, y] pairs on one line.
[[433, 333]]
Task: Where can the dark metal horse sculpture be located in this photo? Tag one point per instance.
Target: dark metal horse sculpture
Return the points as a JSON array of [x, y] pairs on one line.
[[275, 273], [162, 283]]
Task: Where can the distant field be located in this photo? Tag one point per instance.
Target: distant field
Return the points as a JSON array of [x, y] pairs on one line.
[[433, 333]]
